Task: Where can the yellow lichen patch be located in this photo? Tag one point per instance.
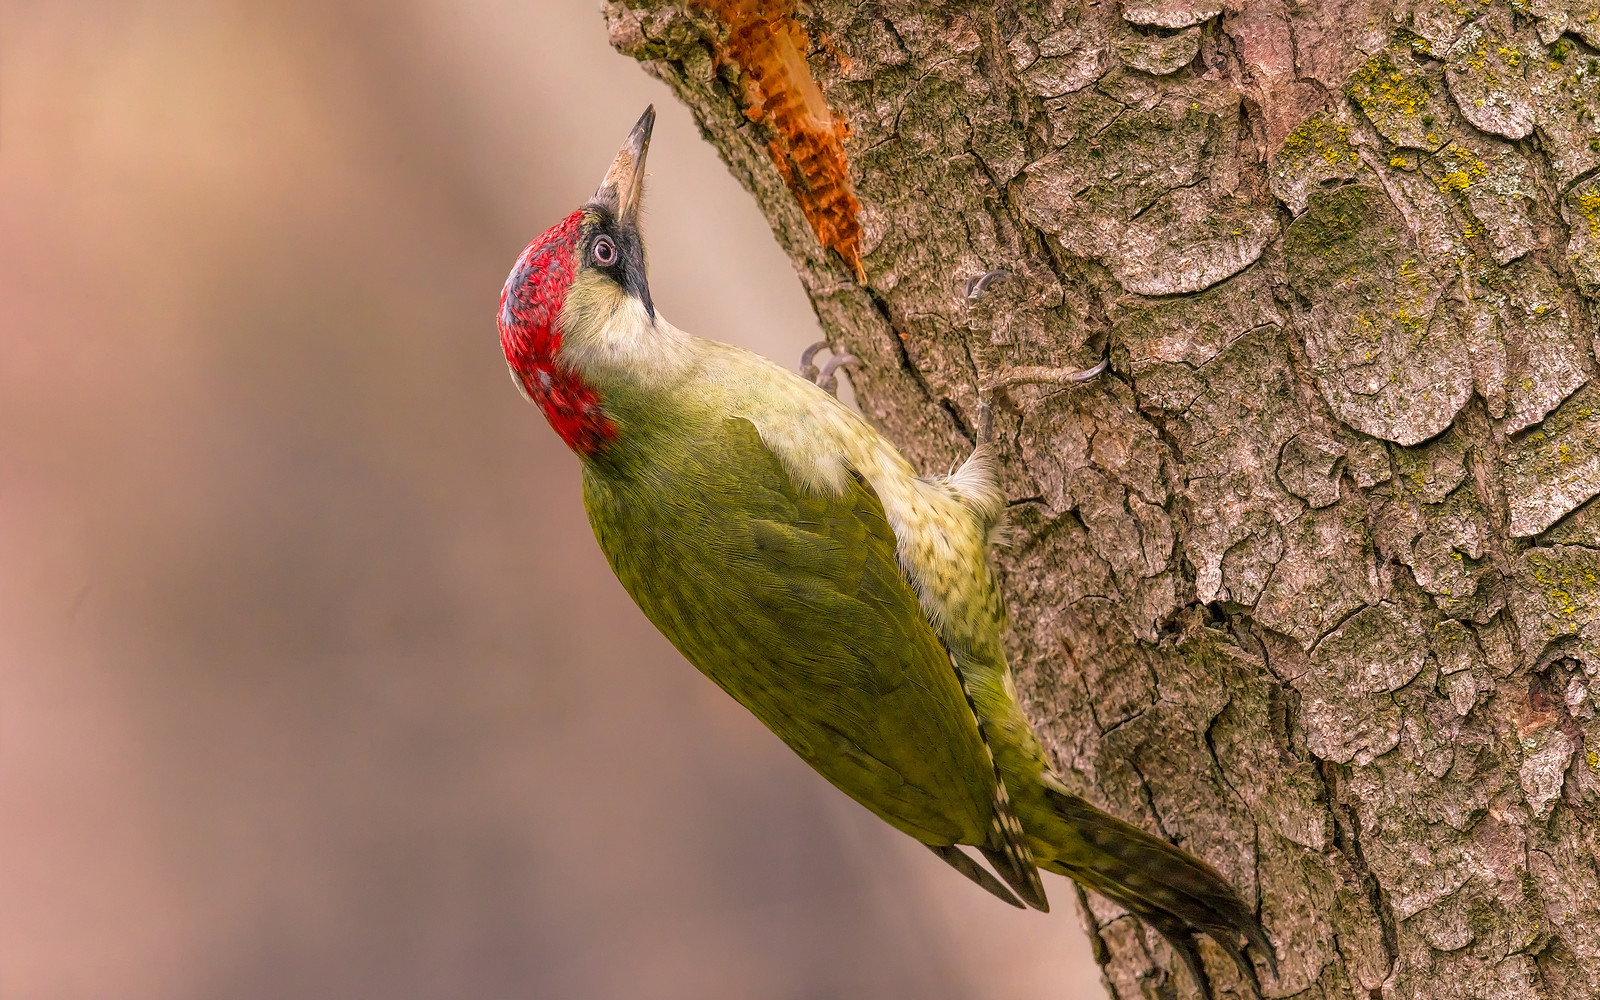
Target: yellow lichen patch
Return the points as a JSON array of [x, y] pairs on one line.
[[1413, 326], [1396, 102], [1462, 168], [1563, 595], [1318, 137], [1318, 150], [1589, 208]]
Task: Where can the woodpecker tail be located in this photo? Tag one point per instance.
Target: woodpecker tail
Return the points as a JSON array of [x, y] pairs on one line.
[[1171, 890], [1008, 851], [958, 859], [1007, 847]]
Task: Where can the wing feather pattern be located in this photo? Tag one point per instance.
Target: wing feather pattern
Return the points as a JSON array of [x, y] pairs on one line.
[[794, 603]]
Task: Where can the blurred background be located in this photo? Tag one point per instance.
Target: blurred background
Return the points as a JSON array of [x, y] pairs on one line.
[[313, 682]]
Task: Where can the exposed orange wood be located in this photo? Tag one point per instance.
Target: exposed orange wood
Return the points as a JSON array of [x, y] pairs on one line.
[[769, 46]]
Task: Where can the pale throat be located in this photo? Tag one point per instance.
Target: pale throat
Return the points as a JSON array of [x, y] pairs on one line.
[[611, 341]]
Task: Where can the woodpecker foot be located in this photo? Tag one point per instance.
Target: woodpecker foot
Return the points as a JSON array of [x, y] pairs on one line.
[[1037, 375], [976, 287], [825, 377], [1027, 375]]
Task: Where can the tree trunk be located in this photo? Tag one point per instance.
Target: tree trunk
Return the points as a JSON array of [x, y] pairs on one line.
[[1307, 581]]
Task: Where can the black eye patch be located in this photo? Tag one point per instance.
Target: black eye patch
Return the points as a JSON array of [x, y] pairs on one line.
[[615, 250]]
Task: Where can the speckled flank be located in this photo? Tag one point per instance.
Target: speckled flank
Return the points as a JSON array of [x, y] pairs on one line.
[[942, 527]]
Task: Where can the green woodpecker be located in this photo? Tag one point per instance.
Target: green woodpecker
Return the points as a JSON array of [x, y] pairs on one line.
[[794, 557]]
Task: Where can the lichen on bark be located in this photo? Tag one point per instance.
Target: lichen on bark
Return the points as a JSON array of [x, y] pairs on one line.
[[1308, 582]]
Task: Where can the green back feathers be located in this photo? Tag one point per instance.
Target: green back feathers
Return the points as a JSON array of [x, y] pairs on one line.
[[794, 603]]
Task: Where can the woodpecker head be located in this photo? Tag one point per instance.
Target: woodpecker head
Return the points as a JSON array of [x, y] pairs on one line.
[[577, 301]]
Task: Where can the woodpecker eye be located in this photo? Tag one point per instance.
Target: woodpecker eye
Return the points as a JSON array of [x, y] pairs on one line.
[[604, 252]]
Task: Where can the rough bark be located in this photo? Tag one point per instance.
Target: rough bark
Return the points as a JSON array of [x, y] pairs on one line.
[[1307, 582]]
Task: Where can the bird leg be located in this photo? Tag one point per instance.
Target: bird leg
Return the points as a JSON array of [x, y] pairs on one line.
[[1037, 375], [1026, 375], [825, 377]]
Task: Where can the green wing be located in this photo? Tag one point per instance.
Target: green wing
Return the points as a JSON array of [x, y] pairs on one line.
[[796, 606]]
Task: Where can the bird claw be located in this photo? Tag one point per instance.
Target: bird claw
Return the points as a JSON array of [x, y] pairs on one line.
[[977, 286], [1036, 375], [825, 377], [808, 368], [1025, 376], [827, 380]]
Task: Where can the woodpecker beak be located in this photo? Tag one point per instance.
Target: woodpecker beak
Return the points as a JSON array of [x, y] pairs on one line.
[[623, 188]]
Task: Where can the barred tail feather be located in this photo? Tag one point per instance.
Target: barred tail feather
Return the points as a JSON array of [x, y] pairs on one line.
[[1007, 848], [1008, 851], [1173, 891], [956, 858]]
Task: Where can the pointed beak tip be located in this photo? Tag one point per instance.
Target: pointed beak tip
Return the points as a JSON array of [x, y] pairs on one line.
[[639, 139], [624, 181]]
